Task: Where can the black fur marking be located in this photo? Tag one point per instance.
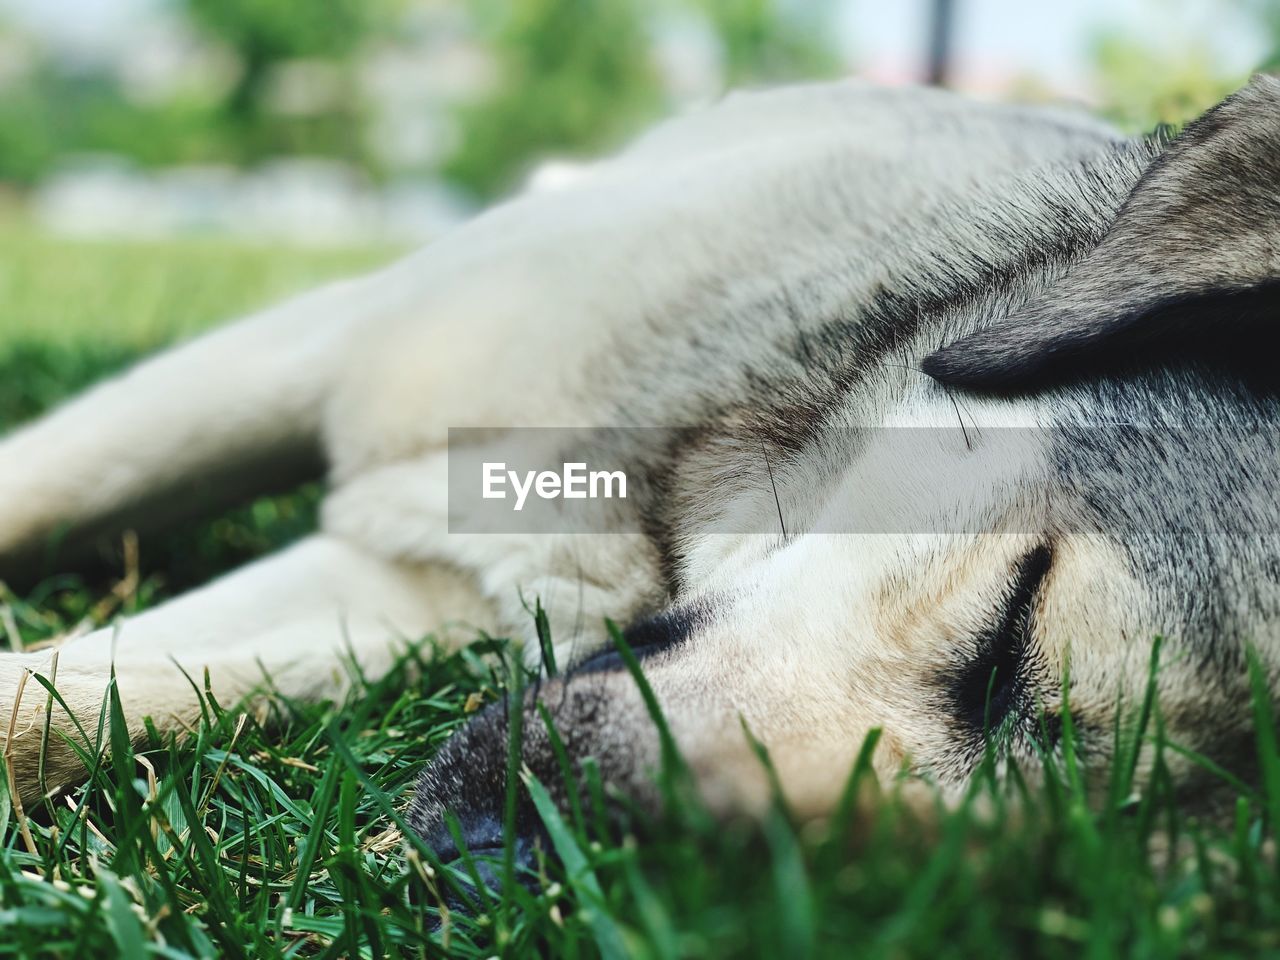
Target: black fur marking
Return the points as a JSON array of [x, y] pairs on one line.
[[1229, 328], [647, 637], [1000, 664]]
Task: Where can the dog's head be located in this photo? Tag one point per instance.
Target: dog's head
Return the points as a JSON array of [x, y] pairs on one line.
[[1097, 469]]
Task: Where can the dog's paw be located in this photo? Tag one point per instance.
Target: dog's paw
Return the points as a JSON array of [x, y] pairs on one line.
[[33, 725]]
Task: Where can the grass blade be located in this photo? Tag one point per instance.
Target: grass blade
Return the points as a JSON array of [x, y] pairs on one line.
[[608, 937]]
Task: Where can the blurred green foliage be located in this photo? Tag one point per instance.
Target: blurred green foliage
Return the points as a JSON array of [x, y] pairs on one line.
[[51, 113], [572, 74], [567, 76], [264, 34], [578, 75], [1145, 86], [1267, 15], [268, 31], [768, 40]]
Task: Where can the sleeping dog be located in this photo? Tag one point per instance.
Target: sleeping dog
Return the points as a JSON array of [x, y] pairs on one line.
[[907, 412]]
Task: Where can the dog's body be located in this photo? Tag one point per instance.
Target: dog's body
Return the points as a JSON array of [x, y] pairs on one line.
[[765, 276]]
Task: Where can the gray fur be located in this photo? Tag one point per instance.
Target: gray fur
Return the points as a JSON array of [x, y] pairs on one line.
[[1202, 228]]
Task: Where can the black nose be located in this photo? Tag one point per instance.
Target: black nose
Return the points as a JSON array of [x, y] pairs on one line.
[[485, 843], [459, 806]]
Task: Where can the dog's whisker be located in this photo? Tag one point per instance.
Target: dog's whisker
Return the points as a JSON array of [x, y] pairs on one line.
[[963, 431], [773, 484]]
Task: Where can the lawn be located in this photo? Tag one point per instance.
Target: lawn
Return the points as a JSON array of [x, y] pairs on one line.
[[284, 839]]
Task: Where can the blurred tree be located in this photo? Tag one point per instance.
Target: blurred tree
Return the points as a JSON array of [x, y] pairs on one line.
[[264, 33], [48, 113], [573, 75], [942, 16], [268, 35], [772, 40], [1143, 86]]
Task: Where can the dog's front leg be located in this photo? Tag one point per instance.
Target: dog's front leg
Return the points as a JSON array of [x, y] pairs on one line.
[[295, 617], [231, 414]]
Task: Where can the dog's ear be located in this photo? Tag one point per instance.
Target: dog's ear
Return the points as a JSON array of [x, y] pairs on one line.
[[1192, 259]]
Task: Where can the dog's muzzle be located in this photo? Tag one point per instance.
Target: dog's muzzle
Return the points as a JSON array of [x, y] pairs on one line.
[[461, 798], [462, 795]]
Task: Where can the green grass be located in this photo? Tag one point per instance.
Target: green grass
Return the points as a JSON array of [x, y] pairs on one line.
[[280, 837]]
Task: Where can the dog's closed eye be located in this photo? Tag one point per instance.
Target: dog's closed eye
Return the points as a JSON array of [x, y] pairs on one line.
[[994, 682]]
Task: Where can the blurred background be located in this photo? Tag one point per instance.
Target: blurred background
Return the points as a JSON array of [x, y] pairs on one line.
[[334, 122]]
